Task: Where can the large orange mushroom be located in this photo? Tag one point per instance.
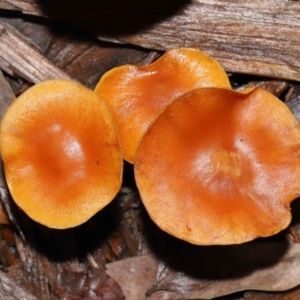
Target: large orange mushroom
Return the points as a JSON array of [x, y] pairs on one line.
[[138, 94], [220, 167], [61, 153]]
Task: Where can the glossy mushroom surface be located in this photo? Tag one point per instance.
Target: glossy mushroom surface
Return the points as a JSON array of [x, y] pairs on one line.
[[61, 153], [220, 167], [138, 94]]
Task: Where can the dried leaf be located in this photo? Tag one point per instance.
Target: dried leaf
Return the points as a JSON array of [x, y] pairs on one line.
[[208, 272], [135, 275], [293, 294]]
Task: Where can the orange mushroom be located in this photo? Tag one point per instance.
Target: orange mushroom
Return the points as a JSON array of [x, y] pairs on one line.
[[220, 167], [61, 153], [138, 94]]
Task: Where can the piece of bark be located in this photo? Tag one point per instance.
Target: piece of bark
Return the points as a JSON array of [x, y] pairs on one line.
[[18, 57], [254, 37], [9, 290], [39, 31], [206, 273], [6, 98], [31, 275]]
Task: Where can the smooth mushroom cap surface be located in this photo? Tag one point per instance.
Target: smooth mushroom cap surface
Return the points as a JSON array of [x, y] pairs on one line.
[[61, 153], [138, 94], [220, 167]]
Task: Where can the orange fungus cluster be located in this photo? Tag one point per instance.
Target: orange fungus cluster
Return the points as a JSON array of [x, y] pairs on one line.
[[212, 165]]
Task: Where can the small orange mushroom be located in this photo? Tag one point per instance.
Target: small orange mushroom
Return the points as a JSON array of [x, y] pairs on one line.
[[220, 167], [138, 94], [61, 153]]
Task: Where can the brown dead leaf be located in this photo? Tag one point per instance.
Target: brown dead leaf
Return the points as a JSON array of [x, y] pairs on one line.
[[293, 294], [135, 275], [92, 284], [209, 272]]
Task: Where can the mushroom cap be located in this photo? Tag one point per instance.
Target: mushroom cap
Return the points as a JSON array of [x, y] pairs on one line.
[[61, 153], [220, 167], [138, 94]]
